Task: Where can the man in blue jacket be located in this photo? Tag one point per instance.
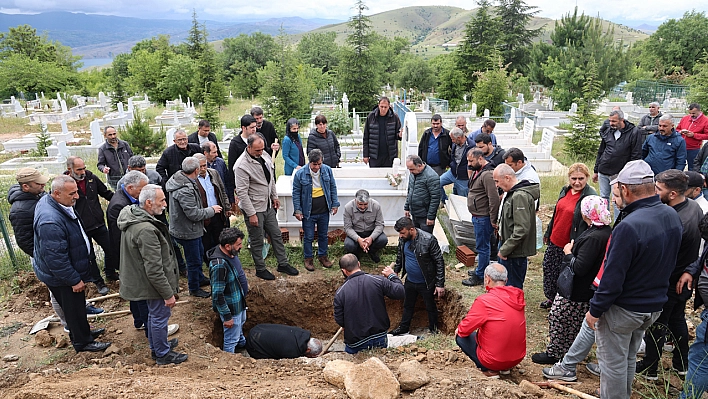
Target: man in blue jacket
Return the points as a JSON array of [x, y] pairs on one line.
[[61, 259], [635, 278], [665, 149]]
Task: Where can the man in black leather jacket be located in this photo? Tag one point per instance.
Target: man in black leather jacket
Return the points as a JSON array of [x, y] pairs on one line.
[[419, 257]]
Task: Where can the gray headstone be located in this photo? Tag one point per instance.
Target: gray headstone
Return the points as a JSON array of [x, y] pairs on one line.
[[18, 107], [486, 113], [473, 112], [121, 112], [102, 99], [63, 151], [64, 128], [528, 128], [666, 104], [130, 105]]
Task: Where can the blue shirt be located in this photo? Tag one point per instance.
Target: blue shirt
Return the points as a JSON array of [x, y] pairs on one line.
[[433, 151], [209, 189], [413, 272], [132, 200]]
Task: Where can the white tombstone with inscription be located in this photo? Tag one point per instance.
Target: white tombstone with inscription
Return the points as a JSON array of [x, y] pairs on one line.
[[486, 113], [528, 128], [546, 143], [473, 111]]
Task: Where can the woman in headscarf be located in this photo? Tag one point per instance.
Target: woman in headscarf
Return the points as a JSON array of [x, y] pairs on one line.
[[292, 147], [583, 256]]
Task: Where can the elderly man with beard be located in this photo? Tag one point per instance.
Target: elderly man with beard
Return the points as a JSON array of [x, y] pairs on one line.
[[113, 156]]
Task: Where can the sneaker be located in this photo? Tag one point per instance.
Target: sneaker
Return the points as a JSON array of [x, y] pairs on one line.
[[265, 274], [472, 281], [204, 282], [171, 357], [398, 331], [491, 374], [289, 270], [558, 372], [544, 358], [309, 265], [200, 293], [102, 289], [324, 260], [642, 349], [90, 309], [375, 257], [505, 372], [644, 371], [681, 372], [668, 346], [172, 329], [546, 304], [593, 368], [173, 344]]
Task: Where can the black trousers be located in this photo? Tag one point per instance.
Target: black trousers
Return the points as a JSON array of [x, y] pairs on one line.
[[381, 162], [100, 235], [210, 239], [421, 223], [412, 291], [673, 320], [74, 306]]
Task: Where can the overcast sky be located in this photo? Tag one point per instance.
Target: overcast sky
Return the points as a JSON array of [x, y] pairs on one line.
[[629, 12]]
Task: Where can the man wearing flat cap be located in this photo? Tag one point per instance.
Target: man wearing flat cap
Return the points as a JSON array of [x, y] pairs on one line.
[[22, 198]]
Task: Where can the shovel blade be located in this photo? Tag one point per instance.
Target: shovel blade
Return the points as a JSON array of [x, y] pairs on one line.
[[43, 324]]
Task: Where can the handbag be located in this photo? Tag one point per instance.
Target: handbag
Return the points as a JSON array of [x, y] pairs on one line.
[[565, 280]]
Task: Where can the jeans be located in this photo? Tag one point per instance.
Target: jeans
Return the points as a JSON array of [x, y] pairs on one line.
[[74, 306], [412, 290], [421, 223], [619, 334], [158, 316], [459, 188], [469, 346], [266, 223], [371, 343], [673, 316], [697, 377], [606, 193], [482, 233], [352, 247], [516, 271], [233, 337], [193, 250], [690, 156], [140, 312], [308, 228], [580, 348]]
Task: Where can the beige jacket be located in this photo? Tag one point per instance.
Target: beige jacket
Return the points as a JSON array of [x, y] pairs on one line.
[[252, 189]]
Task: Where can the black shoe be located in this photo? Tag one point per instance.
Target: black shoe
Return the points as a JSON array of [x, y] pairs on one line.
[[546, 304], [200, 293], [111, 277], [472, 281], [643, 370], [265, 274], [94, 347], [544, 358], [171, 357], [204, 282], [97, 332], [375, 257], [399, 331], [289, 270], [472, 273], [102, 289], [173, 344], [183, 272]]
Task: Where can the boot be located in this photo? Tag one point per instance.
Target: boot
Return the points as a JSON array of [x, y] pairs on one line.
[[309, 265], [325, 261]]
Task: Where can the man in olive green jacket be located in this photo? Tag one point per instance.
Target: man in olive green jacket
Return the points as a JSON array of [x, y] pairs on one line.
[[149, 270], [517, 224]]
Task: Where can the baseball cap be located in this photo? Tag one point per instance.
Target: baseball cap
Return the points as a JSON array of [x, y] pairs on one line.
[[27, 175], [635, 172], [695, 179]]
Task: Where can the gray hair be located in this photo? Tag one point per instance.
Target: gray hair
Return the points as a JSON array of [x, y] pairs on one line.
[[190, 164], [417, 161], [654, 104], [59, 182], [315, 347], [70, 161], [178, 131], [456, 132], [137, 161], [200, 157], [504, 170], [617, 112], [149, 192], [667, 117], [133, 178], [494, 274], [206, 147], [253, 138], [362, 196], [315, 155]]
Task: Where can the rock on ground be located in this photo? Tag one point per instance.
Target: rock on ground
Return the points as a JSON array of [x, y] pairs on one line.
[[371, 380], [531, 389], [43, 339], [335, 371], [412, 375]]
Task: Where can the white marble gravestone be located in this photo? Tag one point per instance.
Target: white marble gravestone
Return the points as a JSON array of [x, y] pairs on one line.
[[63, 107], [486, 113], [473, 112], [102, 99], [64, 128], [170, 136], [528, 128], [573, 108], [63, 151], [345, 103], [130, 105], [96, 136], [546, 143], [121, 111]]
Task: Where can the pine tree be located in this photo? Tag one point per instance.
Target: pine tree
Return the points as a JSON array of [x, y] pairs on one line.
[[516, 42], [583, 142], [140, 136], [196, 41], [480, 47]]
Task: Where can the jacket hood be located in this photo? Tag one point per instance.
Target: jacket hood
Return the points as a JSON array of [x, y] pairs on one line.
[[15, 193], [628, 126], [534, 189], [512, 296], [177, 181], [135, 214]]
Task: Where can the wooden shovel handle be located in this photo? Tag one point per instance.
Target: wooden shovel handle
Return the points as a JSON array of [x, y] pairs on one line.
[[570, 390], [331, 341]]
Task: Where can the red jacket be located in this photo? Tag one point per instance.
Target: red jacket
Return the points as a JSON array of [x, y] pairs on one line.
[[700, 129], [499, 318]]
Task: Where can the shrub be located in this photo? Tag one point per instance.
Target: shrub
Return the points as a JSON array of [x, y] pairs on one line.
[[140, 136]]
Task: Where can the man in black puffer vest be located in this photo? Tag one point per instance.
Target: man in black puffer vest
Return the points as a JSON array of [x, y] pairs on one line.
[[381, 133]]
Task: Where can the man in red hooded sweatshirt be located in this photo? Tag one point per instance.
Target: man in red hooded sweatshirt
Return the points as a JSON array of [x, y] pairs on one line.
[[493, 334]]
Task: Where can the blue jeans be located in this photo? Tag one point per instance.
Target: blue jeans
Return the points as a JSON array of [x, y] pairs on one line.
[[469, 346], [516, 271], [459, 188], [606, 193], [690, 156], [308, 228], [233, 337], [193, 250], [158, 316], [380, 342], [140, 312], [482, 234], [697, 377]]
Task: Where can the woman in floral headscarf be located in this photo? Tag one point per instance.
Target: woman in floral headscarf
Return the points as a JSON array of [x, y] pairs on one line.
[[584, 256]]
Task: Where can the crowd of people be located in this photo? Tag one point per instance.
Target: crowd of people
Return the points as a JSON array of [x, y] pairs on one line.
[[618, 267]]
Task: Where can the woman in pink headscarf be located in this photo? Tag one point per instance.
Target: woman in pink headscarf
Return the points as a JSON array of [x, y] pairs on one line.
[[583, 256]]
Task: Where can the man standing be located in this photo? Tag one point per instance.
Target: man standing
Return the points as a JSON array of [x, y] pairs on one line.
[[277, 341], [665, 149], [649, 124], [487, 128], [314, 198], [360, 305], [267, 130], [212, 192], [382, 132], [423, 197], [61, 259], [457, 175], [435, 146], [255, 187], [209, 150], [494, 153], [419, 257], [23, 198], [517, 223], [696, 182], [493, 333], [523, 170], [171, 160], [237, 146], [620, 143], [148, 269], [670, 186], [88, 208], [229, 287], [483, 204], [694, 129], [639, 261], [364, 225], [113, 156], [461, 123], [204, 135], [187, 216], [138, 163]]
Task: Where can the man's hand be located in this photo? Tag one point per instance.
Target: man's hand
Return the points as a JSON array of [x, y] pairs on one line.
[[229, 323], [407, 214], [217, 208], [440, 292], [686, 278], [334, 211], [366, 160], [363, 244], [228, 214], [106, 169], [500, 256], [298, 216], [430, 222], [568, 248], [276, 204], [275, 147], [80, 286], [591, 320], [594, 177], [253, 220], [456, 332], [387, 271], [298, 167], [170, 303]]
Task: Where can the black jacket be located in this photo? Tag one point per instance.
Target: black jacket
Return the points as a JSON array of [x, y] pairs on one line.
[[22, 216], [444, 147], [171, 160], [427, 252], [194, 139], [614, 154], [690, 213], [497, 156], [700, 158], [267, 130], [277, 341], [119, 201], [585, 260], [88, 207], [114, 158], [578, 224], [459, 170], [371, 134], [331, 153]]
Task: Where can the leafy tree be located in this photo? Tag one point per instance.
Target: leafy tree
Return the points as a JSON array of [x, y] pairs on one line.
[[480, 47], [514, 16], [145, 72], [92, 81], [243, 57], [21, 73], [699, 82], [176, 78], [390, 54], [492, 89], [24, 40], [416, 73], [319, 50], [141, 137], [583, 142], [450, 80]]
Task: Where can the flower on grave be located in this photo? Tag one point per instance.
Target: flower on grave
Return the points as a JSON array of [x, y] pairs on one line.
[[394, 179]]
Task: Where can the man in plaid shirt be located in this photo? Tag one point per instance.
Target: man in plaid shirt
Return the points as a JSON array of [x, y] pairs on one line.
[[229, 287]]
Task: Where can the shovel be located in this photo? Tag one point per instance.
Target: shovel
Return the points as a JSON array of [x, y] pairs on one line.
[[331, 341], [560, 385]]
